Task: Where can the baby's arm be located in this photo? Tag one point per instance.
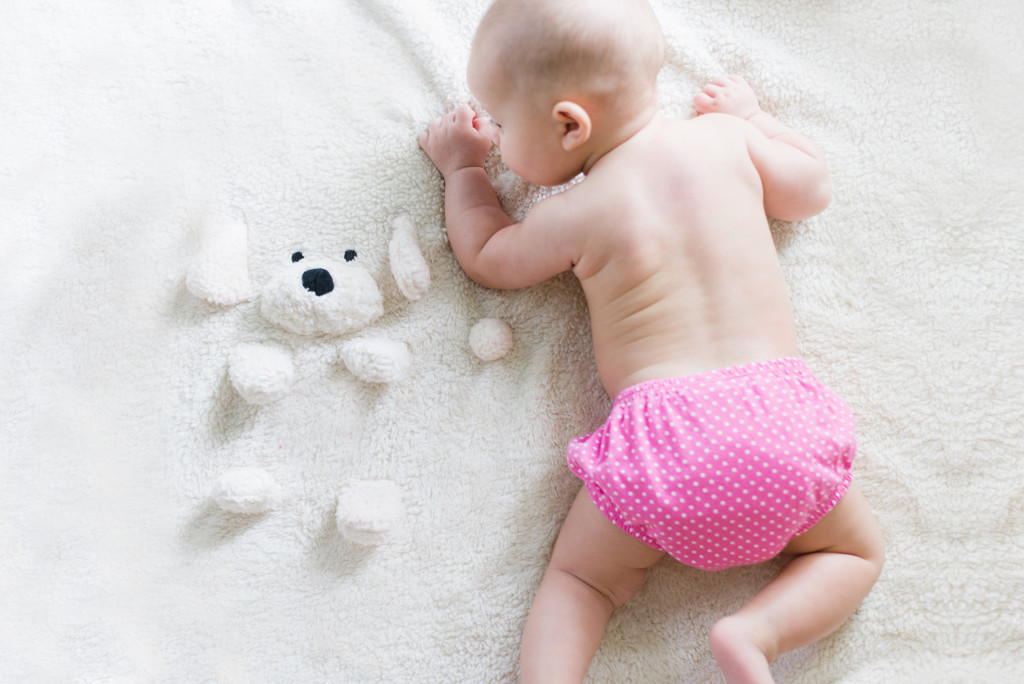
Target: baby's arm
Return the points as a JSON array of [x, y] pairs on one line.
[[792, 168], [492, 249]]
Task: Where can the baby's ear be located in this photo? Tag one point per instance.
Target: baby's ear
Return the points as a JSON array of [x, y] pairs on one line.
[[575, 123]]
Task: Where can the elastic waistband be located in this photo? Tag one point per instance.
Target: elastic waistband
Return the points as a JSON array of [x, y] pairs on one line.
[[786, 365]]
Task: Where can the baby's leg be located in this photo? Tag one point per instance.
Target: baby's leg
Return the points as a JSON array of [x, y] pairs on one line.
[[595, 567], [835, 565]]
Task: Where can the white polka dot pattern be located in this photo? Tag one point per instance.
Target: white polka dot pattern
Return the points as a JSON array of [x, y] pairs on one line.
[[722, 468]]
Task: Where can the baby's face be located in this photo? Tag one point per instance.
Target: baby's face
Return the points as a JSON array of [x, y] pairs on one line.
[[525, 128]]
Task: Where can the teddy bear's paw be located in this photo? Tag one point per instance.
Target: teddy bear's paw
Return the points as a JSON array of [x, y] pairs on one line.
[[375, 359], [490, 339], [220, 272], [246, 490], [369, 511], [407, 263], [261, 374]]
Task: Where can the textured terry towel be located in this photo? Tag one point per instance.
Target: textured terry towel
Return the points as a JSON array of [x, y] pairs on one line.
[[126, 129]]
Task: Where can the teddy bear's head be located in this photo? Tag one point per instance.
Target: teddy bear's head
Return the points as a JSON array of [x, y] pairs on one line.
[[309, 296], [322, 296]]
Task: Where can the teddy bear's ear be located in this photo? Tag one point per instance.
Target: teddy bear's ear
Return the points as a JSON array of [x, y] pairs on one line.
[[407, 263], [220, 272]]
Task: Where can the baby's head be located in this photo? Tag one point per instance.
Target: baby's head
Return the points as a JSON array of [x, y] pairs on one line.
[[603, 56]]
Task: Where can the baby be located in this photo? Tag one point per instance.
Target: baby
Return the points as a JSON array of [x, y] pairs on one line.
[[722, 449]]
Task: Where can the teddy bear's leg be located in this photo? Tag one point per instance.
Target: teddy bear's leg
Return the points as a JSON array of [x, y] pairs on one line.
[[261, 373], [369, 511], [246, 490]]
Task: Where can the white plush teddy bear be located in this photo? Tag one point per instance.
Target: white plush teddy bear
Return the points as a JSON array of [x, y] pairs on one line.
[[322, 297]]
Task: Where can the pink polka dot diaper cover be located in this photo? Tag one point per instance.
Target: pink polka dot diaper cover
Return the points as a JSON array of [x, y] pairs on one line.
[[723, 468]]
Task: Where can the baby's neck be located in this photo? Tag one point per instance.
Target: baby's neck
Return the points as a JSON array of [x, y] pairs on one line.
[[621, 133]]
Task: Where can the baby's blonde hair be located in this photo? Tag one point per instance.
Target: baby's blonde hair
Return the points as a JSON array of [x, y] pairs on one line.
[[606, 49]]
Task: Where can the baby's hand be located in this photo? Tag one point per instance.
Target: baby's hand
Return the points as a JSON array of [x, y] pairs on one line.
[[457, 141], [728, 95]]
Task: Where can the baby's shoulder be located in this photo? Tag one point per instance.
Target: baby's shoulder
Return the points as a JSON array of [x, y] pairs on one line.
[[718, 126], [707, 145]]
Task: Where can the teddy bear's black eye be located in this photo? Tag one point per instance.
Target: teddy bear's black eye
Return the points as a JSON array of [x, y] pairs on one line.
[[350, 254], [297, 256]]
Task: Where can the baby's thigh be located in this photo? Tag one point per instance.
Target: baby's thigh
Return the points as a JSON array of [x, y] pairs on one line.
[[594, 550], [850, 528]]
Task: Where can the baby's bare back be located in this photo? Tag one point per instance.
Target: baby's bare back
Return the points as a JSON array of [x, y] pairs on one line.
[[679, 267]]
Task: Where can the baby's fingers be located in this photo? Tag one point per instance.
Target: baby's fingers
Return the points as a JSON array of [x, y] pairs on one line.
[[708, 99], [703, 103], [434, 127], [463, 115], [484, 126]]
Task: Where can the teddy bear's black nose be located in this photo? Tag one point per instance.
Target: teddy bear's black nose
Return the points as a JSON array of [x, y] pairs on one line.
[[318, 281]]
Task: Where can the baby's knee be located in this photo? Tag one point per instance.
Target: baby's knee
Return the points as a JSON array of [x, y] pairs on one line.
[[876, 553], [617, 585], [871, 543]]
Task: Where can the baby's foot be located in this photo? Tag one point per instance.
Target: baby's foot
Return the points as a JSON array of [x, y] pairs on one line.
[[739, 657], [727, 95]]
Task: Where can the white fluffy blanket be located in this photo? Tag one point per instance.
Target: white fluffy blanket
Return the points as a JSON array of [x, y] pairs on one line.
[[129, 131]]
